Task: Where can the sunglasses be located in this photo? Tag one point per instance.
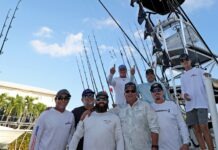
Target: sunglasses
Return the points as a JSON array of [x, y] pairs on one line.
[[65, 98], [89, 96], [101, 99], [184, 59], [155, 90], [130, 91]]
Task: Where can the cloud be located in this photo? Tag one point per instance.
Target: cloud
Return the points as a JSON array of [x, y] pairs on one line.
[[99, 24], [72, 45], [193, 5], [44, 32]]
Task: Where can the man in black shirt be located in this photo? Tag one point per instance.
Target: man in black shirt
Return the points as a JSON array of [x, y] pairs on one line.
[[88, 104]]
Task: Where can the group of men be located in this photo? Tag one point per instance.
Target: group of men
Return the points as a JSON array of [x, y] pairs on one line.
[[145, 117]]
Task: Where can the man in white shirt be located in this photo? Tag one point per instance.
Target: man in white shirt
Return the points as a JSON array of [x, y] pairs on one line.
[[101, 130], [118, 83], [138, 121], [173, 134], [194, 92], [54, 127], [144, 88]]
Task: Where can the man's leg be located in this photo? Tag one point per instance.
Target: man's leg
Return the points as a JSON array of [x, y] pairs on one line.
[[203, 123], [208, 138], [199, 136]]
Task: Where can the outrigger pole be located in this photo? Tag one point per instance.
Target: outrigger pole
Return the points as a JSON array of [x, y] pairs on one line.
[[90, 70], [80, 73], [93, 55], [103, 69], [124, 33], [9, 26]]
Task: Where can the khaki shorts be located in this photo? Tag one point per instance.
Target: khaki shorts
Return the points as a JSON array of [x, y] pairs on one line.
[[197, 116]]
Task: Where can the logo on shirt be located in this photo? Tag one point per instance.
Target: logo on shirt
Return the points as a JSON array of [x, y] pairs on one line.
[[193, 75], [161, 110], [66, 123], [107, 121]]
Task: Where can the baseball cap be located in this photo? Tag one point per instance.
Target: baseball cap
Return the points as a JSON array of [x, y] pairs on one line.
[[130, 84], [156, 85], [122, 67], [102, 95], [63, 91], [184, 57], [149, 71], [87, 92]]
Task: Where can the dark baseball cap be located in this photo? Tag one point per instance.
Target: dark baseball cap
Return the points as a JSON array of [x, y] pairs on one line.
[[149, 71], [102, 95], [156, 85], [87, 92], [122, 67], [130, 84], [184, 57]]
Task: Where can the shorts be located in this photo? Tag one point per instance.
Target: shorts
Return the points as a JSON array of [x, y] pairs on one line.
[[197, 116]]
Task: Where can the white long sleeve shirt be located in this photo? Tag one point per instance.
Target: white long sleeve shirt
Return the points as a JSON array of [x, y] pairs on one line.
[[192, 83], [52, 130], [173, 130], [101, 131], [137, 123], [118, 84]]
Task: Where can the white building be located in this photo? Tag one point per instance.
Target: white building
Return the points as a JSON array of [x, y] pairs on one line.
[[44, 96]]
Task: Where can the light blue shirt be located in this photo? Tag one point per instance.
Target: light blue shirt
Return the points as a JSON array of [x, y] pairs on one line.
[[145, 93]]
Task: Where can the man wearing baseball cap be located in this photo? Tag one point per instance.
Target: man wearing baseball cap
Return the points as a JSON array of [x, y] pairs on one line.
[[47, 133], [118, 83], [196, 104], [88, 104], [173, 133], [101, 130], [144, 88]]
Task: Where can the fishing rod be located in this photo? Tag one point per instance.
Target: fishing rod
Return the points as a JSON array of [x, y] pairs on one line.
[[121, 54], [103, 69], [124, 51], [143, 45], [84, 70], [124, 32], [143, 63], [80, 73], [134, 60], [9, 26], [4, 25], [90, 70], [93, 55], [114, 53]]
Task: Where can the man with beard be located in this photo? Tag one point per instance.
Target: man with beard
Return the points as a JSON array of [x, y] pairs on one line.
[[101, 130], [54, 127], [173, 133], [88, 104]]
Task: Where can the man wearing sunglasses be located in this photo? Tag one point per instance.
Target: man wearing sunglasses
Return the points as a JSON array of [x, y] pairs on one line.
[[138, 121], [101, 130], [194, 92], [55, 126], [144, 88], [88, 104], [171, 122], [118, 83]]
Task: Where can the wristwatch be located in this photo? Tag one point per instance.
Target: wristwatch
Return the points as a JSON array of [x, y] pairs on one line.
[[155, 146]]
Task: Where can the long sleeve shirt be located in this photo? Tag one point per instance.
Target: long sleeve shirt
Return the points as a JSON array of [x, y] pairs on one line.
[[173, 130], [52, 130], [137, 122], [101, 131], [192, 83], [145, 93], [118, 85]]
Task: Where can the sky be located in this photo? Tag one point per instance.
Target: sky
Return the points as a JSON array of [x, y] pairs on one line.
[[47, 36]]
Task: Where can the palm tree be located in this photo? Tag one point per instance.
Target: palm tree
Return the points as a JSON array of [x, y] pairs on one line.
[[3, 104]]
